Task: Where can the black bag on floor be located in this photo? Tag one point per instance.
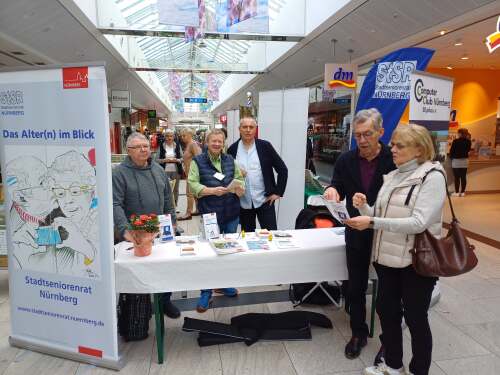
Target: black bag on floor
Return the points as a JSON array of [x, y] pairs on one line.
[[308, 218], [297, 291], [134, 313]]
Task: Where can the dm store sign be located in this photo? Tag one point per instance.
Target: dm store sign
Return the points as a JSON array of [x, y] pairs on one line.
[[340, 76]]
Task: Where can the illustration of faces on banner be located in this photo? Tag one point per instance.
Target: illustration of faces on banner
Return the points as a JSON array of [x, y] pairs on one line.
[[53, 208]]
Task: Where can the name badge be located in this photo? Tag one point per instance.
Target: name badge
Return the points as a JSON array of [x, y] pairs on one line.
[[219, 176]]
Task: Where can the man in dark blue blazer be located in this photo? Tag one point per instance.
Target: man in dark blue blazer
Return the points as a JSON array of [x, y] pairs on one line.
[[258, 160], [360, 170]]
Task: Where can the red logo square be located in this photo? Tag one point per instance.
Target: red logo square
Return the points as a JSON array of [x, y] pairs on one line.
[[76, 78]]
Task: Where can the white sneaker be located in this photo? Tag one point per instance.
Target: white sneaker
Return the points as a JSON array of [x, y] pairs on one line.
[[455, 194], [383, 369], [461, 195]]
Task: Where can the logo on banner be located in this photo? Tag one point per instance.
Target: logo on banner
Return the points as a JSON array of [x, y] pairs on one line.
[[493, 40], [429, 98], [12, 103], [393, 79], [76, 78]]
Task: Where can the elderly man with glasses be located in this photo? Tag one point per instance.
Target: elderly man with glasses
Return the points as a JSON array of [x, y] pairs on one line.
[[141, 186], [360, 170]]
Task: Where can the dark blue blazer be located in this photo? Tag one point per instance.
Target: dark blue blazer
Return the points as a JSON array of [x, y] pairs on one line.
[[347, 181], [269, 160]]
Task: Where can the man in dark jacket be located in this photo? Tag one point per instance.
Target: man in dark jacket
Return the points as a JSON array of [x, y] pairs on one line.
[[360, 170], [310, 150], [258, 160], [140, 186]]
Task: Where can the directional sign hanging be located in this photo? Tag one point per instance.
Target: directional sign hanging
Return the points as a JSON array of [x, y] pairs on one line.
[[195, 100]]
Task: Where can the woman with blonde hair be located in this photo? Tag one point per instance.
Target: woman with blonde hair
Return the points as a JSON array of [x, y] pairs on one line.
[[409, 202], [191, 149]]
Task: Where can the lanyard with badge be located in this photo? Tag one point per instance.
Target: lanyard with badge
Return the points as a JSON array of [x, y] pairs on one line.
[[219, 176]]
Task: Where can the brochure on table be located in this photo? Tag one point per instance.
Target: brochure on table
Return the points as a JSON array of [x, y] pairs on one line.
[[166, 228], [210, 226], [57, 182]]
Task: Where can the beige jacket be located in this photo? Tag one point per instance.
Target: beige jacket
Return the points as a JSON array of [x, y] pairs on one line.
[[397, 220]]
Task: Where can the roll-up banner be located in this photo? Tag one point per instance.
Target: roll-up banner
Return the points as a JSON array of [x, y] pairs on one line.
[[387, 85], [56, 164], [430, 106]]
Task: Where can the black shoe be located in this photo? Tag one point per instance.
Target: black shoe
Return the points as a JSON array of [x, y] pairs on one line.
[[354, 347], [380, 357], [171, 310]]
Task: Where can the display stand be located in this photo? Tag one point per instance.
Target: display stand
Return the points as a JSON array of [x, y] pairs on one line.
[[61, 283]]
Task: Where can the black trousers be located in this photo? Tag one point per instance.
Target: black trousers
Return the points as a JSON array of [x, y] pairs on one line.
[[358, 263], [460, 175], [265, 214], [402, 292]]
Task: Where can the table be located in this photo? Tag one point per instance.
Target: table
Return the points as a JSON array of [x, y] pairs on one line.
[[320, 256]]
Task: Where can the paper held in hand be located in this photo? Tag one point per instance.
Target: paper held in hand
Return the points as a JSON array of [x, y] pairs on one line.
[[338, 210], [233, 185]]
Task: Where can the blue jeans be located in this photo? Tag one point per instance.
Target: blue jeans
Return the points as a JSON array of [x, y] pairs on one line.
[[228, 227]]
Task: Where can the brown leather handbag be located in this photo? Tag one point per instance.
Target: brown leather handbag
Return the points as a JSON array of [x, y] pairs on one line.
[[442, 257]]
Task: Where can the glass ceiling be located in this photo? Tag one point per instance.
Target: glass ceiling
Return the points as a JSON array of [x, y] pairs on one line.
[[190, 59]]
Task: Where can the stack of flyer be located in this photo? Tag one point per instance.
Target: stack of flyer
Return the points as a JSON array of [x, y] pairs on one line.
[[284, 240], [257, 245], [226, 246], [186, 245], [285, 243]]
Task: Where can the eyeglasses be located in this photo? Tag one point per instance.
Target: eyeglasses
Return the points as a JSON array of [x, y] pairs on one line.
[[74, 191], [399, 146], [365, 135], [141, 147]]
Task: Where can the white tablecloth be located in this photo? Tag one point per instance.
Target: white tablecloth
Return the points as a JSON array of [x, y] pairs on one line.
[[320, 257]]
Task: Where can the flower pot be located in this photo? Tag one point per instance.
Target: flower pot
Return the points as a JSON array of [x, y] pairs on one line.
[[143, 242]]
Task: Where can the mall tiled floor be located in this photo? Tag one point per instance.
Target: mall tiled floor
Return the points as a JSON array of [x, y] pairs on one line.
[[465, 325]]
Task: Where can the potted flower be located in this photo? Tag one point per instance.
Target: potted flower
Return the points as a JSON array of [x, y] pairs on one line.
[[143, 228]]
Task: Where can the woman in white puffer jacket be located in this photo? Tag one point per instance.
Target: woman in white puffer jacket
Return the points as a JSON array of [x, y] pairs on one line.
[[410, 201]]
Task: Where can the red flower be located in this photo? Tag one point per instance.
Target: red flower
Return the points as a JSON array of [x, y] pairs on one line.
[[138, 222], [144, 217], [153, 216], [132, 218]]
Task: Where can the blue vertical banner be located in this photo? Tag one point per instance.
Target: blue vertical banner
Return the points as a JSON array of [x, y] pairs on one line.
[[387, 85]]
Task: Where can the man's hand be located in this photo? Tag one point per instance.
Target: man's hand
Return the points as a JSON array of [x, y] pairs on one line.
[[359, 222], [218, 191], [358, 200], [272, 198], [239, 190], [332, 194]]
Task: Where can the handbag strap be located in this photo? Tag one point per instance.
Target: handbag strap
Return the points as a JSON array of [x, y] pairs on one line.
[[446, 188]]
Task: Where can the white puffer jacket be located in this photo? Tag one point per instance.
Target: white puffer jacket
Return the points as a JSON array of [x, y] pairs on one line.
[[394, 238]]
